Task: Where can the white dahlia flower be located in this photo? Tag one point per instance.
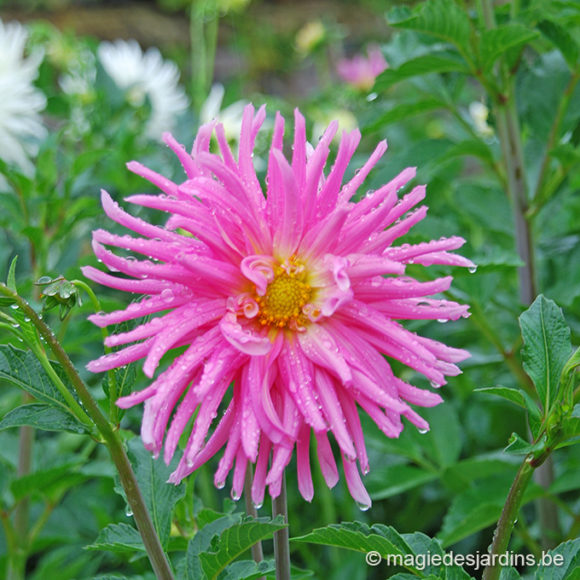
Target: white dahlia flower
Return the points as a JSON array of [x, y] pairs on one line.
[[145, 75]]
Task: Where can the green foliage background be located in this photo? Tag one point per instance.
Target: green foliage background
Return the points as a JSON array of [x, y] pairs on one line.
[[517, 396]]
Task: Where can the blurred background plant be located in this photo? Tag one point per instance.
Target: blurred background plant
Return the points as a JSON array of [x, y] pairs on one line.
[[483, 100]]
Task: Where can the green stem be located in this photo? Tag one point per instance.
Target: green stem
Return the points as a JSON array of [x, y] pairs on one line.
[[203, 28], [539, 197], [22, 511], [14, 571], [510, 140], [112, 381], [257, 552], [111, 438], [41, 522], [511, 144], [282, 537], [505, 525]]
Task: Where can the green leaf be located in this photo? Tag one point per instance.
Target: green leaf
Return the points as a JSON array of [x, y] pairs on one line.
[[248, 570], [512, 395], [118, 538], [498, 259], [562, 40], [479, 506], [48, 482], [11, 279], [497, 41], [570, 368], [422, 545], [392, 480], [546, 347], [519, 446], [509, 574], [443, 442], [234, 541], [457, 477], [42, 416], [358, 537], [160, 496], [443, 19], [23, 370], [440, 62], [403, 111], [201, 542], [563, 563], [471, 148]]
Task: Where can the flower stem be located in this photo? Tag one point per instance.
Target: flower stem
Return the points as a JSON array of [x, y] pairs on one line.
[[511, 144], [282, 537], [19, 555], [257, 552], [505, 525], [203, 29], [113, 394], [111, 439]]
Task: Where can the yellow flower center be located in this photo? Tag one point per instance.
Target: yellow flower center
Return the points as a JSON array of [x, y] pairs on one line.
[[285, 296]]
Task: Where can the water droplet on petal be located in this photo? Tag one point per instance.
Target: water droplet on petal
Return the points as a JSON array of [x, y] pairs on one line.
[[363, 507]]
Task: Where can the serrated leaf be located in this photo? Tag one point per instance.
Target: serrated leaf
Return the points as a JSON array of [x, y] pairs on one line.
[[23, 370], [512, 395], [234, 541], [546, 347], [497, 41], [421, 544], [160, 496], [443, 19], [562, 40], [248, 570], [568, 562], [202, 541], [118, 538], [426, 64], [392, 480], [42, 416], [358, 537]]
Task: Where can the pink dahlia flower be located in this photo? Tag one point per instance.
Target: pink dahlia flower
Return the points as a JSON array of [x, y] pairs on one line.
[[285, 302], [361, 71]]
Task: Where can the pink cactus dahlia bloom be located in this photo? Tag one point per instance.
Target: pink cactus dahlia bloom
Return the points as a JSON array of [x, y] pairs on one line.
[[285, 303], [360, 71]]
